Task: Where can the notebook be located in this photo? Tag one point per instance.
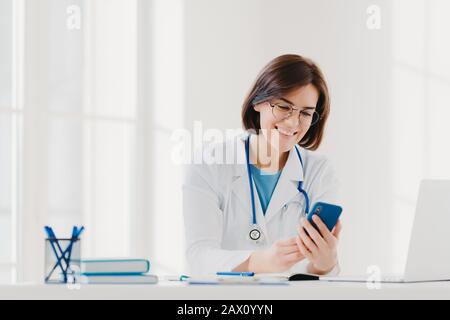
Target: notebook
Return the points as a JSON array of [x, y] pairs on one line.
[[235, 280], [123, 279], [114, 266]]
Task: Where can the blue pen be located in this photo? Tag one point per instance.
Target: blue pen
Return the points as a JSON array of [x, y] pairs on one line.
[[53, 236], [72, 239], [50, 235], [242, 274], [79, 232], [63, 253], [75, 235]]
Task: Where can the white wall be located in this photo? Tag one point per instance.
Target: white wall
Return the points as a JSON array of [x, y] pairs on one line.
[[100, 104], [376, 136], [5, 53], [6, 124]]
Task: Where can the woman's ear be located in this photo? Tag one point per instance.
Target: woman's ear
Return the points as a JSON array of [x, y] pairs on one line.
[[257, 107]]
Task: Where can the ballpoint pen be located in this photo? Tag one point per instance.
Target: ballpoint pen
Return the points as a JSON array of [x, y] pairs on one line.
[[242, 274], [75, 236], [51, 237], [72, 240], [79, 232]]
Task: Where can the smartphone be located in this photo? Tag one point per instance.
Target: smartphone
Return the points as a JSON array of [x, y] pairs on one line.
[[328, 213]]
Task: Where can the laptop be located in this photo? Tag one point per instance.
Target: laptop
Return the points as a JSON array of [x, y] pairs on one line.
[[429, 246]]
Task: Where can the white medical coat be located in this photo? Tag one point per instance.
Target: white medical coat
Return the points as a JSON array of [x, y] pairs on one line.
[[217, 205]]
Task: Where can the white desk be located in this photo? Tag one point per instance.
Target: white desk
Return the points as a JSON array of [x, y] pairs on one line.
[[182, 291]]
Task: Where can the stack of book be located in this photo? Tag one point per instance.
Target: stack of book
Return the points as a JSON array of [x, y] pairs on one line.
[[117, 271]]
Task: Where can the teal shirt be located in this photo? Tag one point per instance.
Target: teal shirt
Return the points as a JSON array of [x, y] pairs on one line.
[[265, 185]]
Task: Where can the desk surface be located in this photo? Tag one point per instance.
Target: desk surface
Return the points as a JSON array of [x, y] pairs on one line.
[[181, 291]]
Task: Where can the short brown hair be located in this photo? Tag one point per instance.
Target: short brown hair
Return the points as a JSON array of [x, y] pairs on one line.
[[279, 77]]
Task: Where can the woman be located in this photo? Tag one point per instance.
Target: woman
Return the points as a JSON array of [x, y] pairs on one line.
[[249, 215]]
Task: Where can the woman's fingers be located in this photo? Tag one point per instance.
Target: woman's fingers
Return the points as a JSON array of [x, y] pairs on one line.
[[310, 245], [288, 249], [337, 229], [326, 234], [313, 234], [303, 249], [286, 242], [294, 257]]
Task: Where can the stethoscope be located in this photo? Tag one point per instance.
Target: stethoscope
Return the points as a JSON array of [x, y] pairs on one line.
[[255, 232]]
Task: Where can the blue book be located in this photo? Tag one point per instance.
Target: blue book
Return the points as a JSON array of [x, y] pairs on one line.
[[112, 267]]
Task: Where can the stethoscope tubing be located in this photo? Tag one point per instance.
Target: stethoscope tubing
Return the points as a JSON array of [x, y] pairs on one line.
[[252, 193]]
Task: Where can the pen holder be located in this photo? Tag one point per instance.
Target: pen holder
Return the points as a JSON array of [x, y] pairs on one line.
[[62, 260]]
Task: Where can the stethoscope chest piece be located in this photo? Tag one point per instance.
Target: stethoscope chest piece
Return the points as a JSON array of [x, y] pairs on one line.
[[255, 234]]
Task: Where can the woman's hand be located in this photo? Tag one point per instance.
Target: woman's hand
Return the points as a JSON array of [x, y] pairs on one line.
[[279, 257], [319, 248]]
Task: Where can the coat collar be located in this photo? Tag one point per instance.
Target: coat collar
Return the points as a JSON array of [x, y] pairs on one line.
[[292, 170], [285, 190]]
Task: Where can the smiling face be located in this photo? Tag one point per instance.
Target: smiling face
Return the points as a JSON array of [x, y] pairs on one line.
[[283, 134]]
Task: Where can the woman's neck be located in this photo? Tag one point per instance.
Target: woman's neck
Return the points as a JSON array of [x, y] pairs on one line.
[[265, 157]]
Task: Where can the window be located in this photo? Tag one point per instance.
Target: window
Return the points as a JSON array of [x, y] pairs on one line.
[[10, 117], [85, 130]]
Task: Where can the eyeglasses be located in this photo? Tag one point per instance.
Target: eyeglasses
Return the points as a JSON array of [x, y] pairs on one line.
[[283, 111]]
